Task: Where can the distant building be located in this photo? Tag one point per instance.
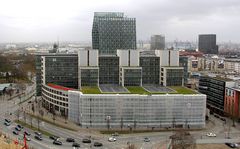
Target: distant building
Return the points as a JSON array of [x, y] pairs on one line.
[[214, 88], [232, 64], [232, 102], [183, 62], [207, 44], [112, 31], [157, 42]]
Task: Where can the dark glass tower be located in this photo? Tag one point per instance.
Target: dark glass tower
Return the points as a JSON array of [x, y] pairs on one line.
[[112, 31], [207, 44]]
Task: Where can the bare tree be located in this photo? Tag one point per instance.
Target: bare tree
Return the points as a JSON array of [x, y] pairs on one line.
[[41, 112], [33, 109], [53, 114], [173, 123], [135, 124], [24, 115], [65, 116], [38, 122], [30, 118], [121, 123], [131, 146], [18, 114], [183, 140]]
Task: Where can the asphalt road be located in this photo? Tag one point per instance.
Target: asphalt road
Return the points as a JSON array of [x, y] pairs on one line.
[[6, 107]]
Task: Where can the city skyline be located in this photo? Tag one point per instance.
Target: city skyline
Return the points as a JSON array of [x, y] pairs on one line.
[[42, 21]]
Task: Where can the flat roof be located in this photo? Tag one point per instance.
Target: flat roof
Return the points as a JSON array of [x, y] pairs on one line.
[[109, 88], [59, 87], [140, 90]]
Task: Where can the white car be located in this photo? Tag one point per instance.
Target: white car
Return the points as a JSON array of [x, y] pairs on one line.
[[210, 134], [112, 139]]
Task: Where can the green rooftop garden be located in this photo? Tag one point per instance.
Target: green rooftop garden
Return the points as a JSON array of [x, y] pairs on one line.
[[136, 90], [182, 90], [90, 90]]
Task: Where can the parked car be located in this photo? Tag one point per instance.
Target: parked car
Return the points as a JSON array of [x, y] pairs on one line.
[[53, 137], [15, 132], [232, 145], [38, 137], [86, 140], [146, 139], [7, 123], [70, 140], [8, 120], [75, 144], [210, 134], [112, 139], [57, 142], [27, 133], [17, 128], [38, 133], [97, 144], [27, 138]]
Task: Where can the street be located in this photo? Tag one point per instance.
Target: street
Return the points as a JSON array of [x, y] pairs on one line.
[[216, 126]]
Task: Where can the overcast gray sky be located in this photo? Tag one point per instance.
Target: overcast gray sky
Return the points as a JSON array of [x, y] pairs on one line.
[[71, 20]]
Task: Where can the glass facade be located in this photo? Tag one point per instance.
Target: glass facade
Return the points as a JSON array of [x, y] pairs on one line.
[[112, 31], [132, 77], [62, 70], [183, 62], [150, 69], [174, 77], [215, 90], [38, 74], [55, 99], [89, 77], [108, 70], [144, 111]]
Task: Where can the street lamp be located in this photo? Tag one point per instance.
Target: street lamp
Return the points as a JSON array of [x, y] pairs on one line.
[[189, 105], [108, 118]]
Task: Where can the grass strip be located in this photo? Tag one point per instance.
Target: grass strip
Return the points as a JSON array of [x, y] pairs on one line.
[[33, 128], [51, 122]]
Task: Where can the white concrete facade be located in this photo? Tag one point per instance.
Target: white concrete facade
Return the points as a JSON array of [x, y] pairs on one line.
[[129, 58], [87, 58], [168, 57]]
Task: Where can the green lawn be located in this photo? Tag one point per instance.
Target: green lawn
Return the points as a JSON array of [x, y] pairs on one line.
[[90, 90], [136, 90], [182, 90]]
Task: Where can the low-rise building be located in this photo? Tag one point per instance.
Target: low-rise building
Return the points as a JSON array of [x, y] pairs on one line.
[[214, 88]]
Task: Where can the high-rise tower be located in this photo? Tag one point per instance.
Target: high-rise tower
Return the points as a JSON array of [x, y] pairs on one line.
[[207, 44], [112, 31]]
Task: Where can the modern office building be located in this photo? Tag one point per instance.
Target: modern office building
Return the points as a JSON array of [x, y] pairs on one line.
[[128, 68], [139, 111], [108, 69], [150, 64], [171, 76], [157, 42], [112, 31], [214, 88], [232, 102], [207, 44], [183, 62], [57, 68]]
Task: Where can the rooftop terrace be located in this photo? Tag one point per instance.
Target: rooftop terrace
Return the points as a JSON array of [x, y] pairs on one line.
[[115, 89], [140, 90]]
